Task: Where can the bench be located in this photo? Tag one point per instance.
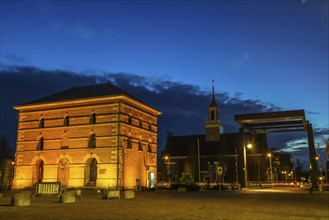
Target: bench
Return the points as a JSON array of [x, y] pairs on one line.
[[48, 189]]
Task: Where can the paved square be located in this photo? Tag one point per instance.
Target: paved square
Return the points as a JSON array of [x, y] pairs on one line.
[[266, 204]]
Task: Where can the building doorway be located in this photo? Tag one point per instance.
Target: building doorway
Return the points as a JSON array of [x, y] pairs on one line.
[[91, 172], [151, 179], [63, 172], [38, 171]]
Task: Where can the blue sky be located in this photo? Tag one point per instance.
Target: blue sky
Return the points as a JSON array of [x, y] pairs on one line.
[[273, 51]]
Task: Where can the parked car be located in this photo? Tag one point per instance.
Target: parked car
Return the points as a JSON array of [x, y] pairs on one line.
[[305, 185], [163, 185]]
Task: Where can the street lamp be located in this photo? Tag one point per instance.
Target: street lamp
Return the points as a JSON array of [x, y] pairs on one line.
[[245, 163], [271, 174]]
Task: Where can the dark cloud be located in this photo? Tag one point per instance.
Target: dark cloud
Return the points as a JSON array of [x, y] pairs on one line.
[[312, 113], [319, 131], [184, 106]]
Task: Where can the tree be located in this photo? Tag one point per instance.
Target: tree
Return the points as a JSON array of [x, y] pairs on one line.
[[299, 170], [5, 151]]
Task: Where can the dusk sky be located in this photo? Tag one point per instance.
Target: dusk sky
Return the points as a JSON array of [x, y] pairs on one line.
[[263, 55]]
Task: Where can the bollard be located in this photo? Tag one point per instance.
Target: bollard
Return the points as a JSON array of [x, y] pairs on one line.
[[67, 197], [129, 194], [22, 199]]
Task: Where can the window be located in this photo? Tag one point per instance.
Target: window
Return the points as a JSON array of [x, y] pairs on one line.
[[41, 122], [140, 146], [66, 120], [129, 120], [149, 148], [129, 144], [40, 144], [92, 118], [92, 140], [140, 121], [212, 117]]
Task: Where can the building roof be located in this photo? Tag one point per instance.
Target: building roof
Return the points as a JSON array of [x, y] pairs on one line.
[[228, 144], [92, 91]]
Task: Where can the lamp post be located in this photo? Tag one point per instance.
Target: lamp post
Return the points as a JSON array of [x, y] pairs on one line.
[[198, 159], [168, 168], [245, 163], [318, 158], [271, 174]]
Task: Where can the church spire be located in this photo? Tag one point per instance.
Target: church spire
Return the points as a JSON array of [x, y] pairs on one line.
[[213, 100], [213, 125]]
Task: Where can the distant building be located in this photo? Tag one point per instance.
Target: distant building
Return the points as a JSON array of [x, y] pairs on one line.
[[202, 156], [97, 136], [282, 164]]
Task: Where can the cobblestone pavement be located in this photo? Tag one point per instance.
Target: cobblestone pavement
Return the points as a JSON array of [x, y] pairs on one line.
[[282, 203]]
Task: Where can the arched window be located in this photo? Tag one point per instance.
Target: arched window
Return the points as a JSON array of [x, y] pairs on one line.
[[212, 117], [66, 120], [92, 118], [41, 122], [63, 172], [92, 140], [40, 143]]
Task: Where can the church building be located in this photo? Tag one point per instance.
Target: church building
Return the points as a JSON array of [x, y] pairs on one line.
[[214, 156], [90, 136]]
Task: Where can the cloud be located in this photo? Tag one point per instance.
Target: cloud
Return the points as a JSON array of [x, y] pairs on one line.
[[82, 31], [312, 113], [14, 58], [299, 147], [184, 106]]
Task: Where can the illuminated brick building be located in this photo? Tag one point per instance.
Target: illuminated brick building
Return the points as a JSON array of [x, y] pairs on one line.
[[95, 135]]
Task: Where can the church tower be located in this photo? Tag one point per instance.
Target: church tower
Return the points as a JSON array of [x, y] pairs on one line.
[[213, 126]]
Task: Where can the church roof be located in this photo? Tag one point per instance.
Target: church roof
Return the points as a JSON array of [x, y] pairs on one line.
[[228, 144], [83, 92], [213, 102]]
